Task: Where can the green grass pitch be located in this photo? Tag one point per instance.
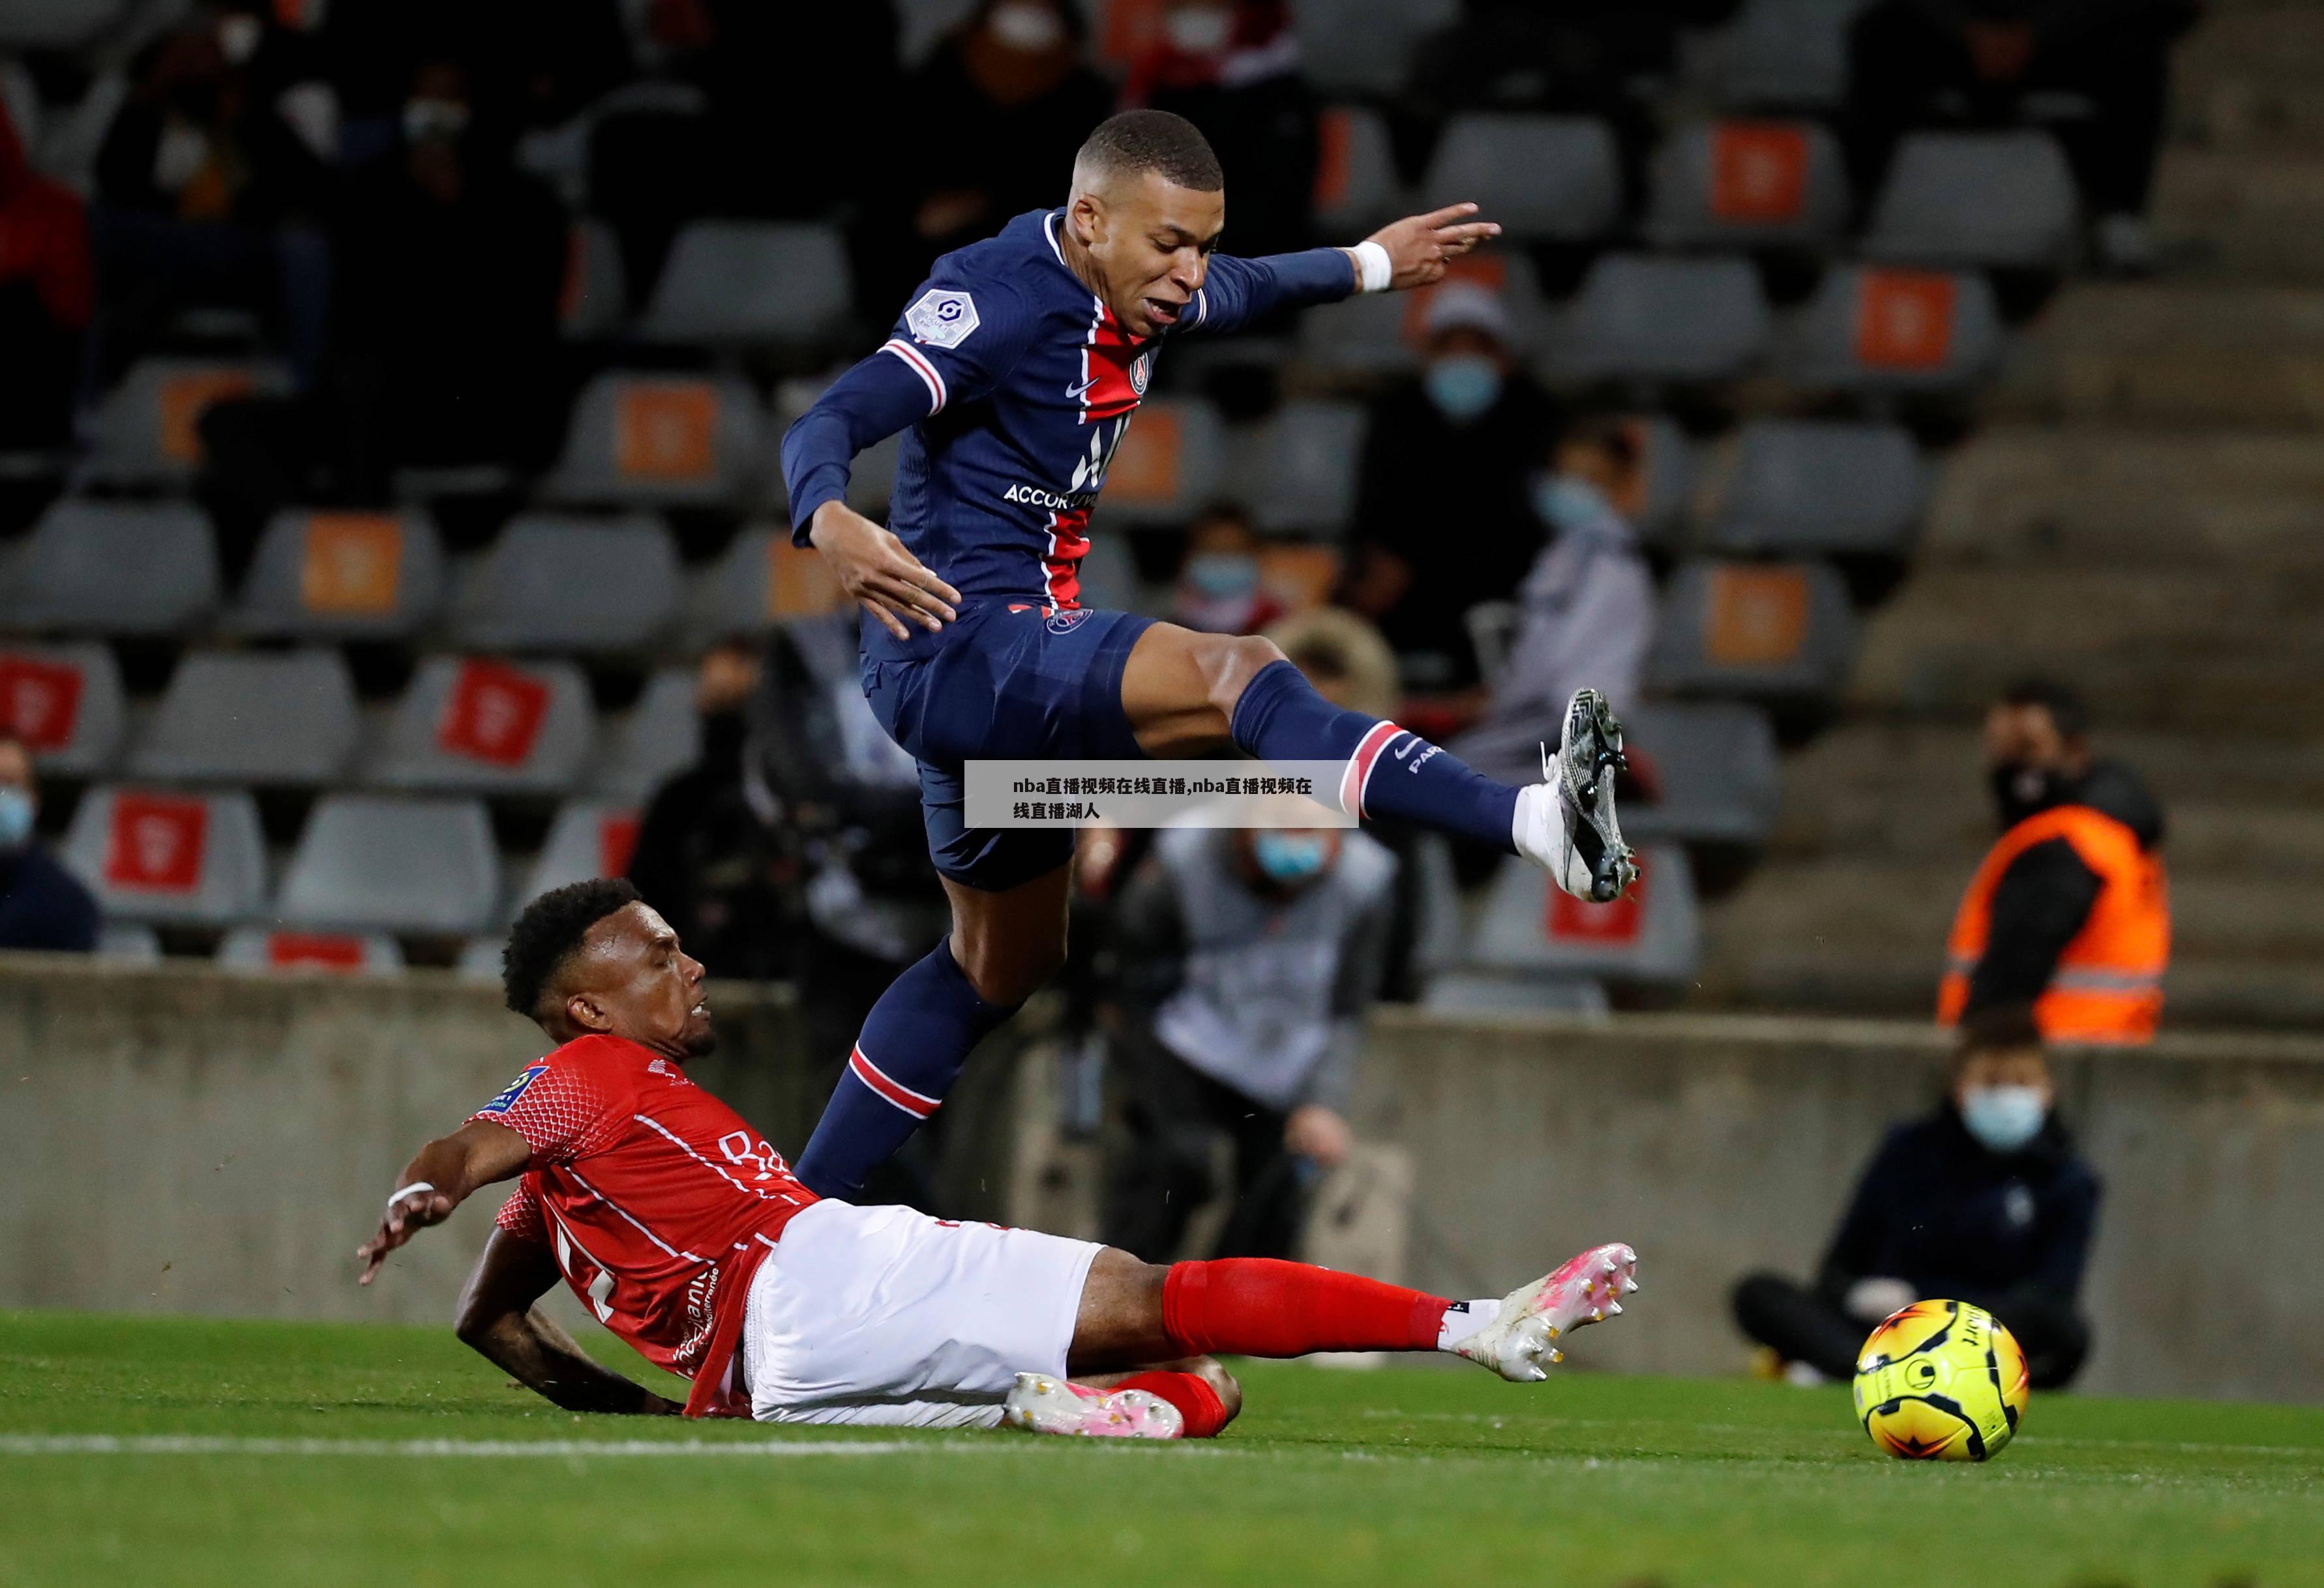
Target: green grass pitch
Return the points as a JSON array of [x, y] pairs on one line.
[[257, 1453]]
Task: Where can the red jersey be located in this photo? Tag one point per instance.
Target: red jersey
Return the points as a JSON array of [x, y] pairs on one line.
[[658, 1200]]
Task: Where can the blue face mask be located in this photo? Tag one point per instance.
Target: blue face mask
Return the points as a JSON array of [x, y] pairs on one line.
[[15, 817], [1223, 573], [1290, 857], [1567, 504], [2004, 1118], [1462, 385]]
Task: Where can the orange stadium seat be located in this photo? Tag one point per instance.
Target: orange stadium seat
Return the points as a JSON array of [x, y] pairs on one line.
[[1872, 329], [1747, 183], [147, 430], [327, 573], [1776, 631], [65, 702], [165, 854], [662, 440]]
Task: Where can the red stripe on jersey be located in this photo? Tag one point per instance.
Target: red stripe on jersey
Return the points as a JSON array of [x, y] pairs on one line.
[[931, 376], [1061, 566], [894, 1091], [1358, 774]]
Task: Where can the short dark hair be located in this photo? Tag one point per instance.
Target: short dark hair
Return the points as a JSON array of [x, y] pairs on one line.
[[2064, 705], [2002, 1028], [549, 932], [1155, 141]]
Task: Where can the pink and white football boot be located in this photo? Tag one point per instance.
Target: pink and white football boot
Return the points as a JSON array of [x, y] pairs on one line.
[[1585, 1289], [1039, 1404]]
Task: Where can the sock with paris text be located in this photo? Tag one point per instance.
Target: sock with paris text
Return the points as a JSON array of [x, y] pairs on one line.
[[1204, 1413], [1387, 770], [1264, 1306], [914, 1042]]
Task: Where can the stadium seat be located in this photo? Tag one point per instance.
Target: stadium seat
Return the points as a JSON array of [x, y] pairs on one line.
[[56, 24], [469, 724], [751, 283], [1472, 992], [146, 431], [1108, 573], [1651, 935], [480, 958], [660, 440], [1715, 763], [1868, 330], [1545, 177], [1297, 470], [662, 737], [1774, 631], [588, 838], [1383, 333], [327, 574], [65, 702], [373, 862], [1784, 54], [559, 583], [595, 298], [1976, 198], [1638, 317], [1359, 46], [1356, 185], [1745, 184], [1821, 486], [279, 951], [761, 578], [126, 942], [266, 718], [130, 569], [1666, 464], [1165, 465], [164, 855]]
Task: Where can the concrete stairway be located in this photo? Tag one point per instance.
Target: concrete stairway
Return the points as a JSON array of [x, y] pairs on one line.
[[2143, 515]]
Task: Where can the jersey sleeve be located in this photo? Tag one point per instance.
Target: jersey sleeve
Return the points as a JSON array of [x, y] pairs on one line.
[[561, 1110], [1237, 292], [521, 1218]]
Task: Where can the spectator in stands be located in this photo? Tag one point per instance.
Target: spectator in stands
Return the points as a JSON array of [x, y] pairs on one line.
[[46, 289], [1248, 958], [540, 61], [2070, 912], [1984, 1200], [42, 904], [1219, 588], [1444, 515], [1928, 62], [1231, 66], [1585, 613]]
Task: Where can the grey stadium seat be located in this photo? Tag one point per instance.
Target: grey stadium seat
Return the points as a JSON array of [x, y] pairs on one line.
[[1742, 184], [1715, 761], [324, 574], [56, 24], [552, 583], [1640, 317], [379, 863], [277, 952], [1976, 198], [480, 958], [1788, 54], [126, 942], [588, 838], [1774, 631], [870, 477], [130, 569], [65, 702], [146, 429], [1166, 464], [751, 283], [662, 736], [232, 716], [1545, 177], [1810, 486], [1380, 333], [653, 440], [1298, 469], [1667, 462], [595, 299], [1475, 992], [1363, 46], [759, 579], [1653, 935], [1867, 329], [473, 725], [165, 854], [1356, 183]]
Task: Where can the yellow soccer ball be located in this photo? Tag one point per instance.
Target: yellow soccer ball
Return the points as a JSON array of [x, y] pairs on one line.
[[1941, 1380]]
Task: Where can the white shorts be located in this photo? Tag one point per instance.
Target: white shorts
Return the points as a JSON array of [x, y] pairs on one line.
[[885, 1316]]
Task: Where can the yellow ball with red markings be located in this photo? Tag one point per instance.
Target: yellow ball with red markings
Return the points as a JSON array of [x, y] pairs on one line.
[[1941, 1380]]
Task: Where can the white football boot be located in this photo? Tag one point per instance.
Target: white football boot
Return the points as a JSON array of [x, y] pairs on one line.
[[1039, 1404], [1565, 823], [1586, 1290]]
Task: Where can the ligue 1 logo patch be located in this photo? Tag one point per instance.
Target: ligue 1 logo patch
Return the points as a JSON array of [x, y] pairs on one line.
[[943, 317], [1141, 370], [1066, 623], [507, 1099]]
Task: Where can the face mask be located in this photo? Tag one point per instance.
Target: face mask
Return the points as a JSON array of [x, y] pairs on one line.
[[1030, 28], [1462, 385], [1567, 504], [1289, 857], [2004, 1118], [238, 37], [2020, 790], [1223, 573], [15, 817], [1198, 30], [424, 119]]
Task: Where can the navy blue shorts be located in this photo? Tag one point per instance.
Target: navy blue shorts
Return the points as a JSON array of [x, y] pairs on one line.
[[1006, 685]]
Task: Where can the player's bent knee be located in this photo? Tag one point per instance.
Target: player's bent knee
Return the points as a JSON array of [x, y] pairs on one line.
[[1234, 661]]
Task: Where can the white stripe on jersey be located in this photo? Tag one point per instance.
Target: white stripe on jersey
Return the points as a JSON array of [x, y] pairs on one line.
[[662, 1131], [928, 373], [633, 1218]]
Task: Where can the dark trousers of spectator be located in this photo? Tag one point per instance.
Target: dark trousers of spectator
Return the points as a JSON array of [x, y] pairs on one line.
[[1173, 1115], [1801, 1324]]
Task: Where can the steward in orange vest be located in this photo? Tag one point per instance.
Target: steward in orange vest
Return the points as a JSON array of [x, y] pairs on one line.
[[2069, 911]]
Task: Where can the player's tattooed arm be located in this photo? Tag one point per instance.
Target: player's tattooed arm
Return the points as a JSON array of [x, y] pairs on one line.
[[1419, 247], [439, 1178], [879, 574], [498, 1321]]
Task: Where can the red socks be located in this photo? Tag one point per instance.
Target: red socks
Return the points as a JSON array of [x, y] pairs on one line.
[[1261, 1307], [1196, 1401]]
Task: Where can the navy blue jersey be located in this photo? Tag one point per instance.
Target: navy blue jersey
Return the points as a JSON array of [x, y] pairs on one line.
[[1014, 386]]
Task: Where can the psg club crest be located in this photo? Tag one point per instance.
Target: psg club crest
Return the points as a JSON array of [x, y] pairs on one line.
[[1141, 369], [1066, 623]]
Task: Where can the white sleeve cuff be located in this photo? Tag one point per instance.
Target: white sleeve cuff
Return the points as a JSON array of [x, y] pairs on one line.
[[1373, 266]]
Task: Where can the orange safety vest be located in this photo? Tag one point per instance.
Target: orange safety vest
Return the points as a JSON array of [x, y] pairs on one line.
[[2107, 987]]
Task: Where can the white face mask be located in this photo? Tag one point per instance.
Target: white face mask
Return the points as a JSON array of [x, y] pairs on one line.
[[239, 36], [1030, 28], [2003, 1119], [1198, 30]]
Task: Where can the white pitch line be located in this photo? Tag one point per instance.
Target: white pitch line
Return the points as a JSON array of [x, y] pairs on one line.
[[431, 1449]]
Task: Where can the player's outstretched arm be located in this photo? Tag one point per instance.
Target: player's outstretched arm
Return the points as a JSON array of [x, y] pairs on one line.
[[1411, 252], [439, 1178], [1420, 247], [497, 1319]]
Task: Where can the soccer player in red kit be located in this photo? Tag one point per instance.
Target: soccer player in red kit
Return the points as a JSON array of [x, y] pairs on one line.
[[685, 1233]]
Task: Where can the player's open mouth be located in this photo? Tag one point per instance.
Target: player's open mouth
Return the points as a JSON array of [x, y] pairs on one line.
[[701, 1008], [1163, 313]]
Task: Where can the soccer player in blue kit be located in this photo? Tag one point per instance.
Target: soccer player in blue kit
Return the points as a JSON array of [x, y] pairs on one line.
[[1013, 374]]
